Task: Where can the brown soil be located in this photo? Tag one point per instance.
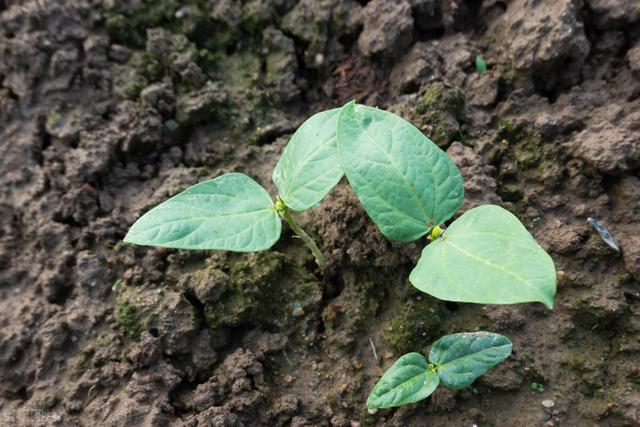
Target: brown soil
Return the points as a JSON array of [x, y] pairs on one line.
[[108, 107]]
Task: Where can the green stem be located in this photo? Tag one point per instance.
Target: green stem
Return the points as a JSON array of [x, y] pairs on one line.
[[285, 213]]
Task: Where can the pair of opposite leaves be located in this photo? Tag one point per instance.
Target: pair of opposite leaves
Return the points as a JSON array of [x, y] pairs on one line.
[[406, 184], [455, 361]]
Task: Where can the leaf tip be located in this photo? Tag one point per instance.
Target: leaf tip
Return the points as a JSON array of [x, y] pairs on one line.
[[372, 403], [548, 299], [128, 238], [349, 105]]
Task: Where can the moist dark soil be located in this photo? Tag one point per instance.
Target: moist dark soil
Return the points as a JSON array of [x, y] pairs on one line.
[[109, 107]]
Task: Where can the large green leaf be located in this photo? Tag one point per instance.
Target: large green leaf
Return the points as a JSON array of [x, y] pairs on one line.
[[231, 212], [486, 256], [409, 379], [405, 182], [461, 358], [309, 167]]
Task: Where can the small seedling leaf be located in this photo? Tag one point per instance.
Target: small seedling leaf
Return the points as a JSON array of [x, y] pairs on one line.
[[461, 358], [481, 65], [309, 167], [231, 212], [408, 380], [537, 387], [405, 182], [486, 256]]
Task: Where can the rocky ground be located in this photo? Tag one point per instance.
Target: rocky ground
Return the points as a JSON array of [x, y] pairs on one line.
[[108, 107]]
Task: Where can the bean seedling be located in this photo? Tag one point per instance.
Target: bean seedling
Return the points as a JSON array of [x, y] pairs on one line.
[[455, 361], [406, 183], [233, 212], [481, 65], [410, 188]]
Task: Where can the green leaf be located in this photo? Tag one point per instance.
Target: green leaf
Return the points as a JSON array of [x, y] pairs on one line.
[[309, 167], [231, 212], [405, 182], [461, 358], [481, 65], [486, 256], [409, 379]]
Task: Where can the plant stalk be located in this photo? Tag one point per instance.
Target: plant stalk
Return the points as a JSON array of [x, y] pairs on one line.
[[285, 213]]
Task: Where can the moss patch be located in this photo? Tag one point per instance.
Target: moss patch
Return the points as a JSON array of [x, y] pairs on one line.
[[164, 312], [438, 111], [438, 97], [534, 157], [128, 27], [417, 323], [257, 288], [128, 316]]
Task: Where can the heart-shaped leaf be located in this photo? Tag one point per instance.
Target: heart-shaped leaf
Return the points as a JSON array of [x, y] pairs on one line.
[[408, 380], [309, 167], [231, 212], [486, 256], [461, 358], [405, 182]]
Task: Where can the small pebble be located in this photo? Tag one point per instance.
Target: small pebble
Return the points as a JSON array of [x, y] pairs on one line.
[[298, 311], [548, 403], [181, 13]]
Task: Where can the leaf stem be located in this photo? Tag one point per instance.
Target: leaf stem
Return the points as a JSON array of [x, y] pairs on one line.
[[285, 213]]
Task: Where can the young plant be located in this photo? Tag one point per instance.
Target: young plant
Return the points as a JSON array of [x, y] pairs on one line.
[[455, 361], [410, 187], [233, 212], [481, 65]]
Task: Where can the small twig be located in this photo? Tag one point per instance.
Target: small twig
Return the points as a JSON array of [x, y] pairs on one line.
[[373, 347], [286, 357], [89, 398]]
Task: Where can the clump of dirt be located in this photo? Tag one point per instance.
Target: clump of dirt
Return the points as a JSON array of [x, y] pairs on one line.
[[110, 107]]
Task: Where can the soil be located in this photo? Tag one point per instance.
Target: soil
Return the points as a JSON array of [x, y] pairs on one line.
[[109, 107]]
